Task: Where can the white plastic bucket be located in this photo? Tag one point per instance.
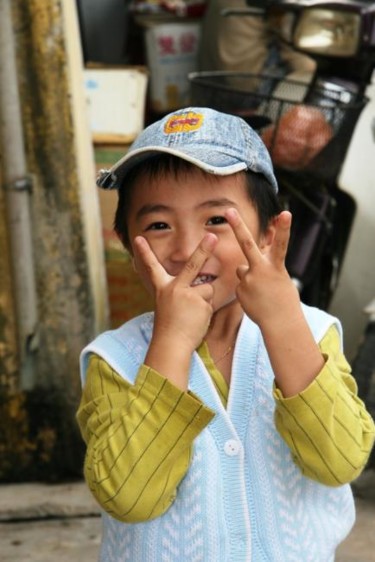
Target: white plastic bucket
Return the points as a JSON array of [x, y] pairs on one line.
[[172, 52]]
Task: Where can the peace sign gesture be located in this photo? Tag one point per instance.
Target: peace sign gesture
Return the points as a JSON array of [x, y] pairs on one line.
[[182, 310], [269, 297], [265, 290]]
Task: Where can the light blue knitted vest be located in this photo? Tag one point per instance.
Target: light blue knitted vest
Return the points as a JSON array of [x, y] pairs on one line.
[[243, 499]]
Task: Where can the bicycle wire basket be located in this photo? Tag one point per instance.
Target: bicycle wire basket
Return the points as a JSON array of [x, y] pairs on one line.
[[305, 128]]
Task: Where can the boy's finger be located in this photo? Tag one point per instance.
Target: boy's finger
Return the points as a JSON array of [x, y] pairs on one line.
[[146, 261], [279, 246], [198, 258], [244, 236], [241, 271]]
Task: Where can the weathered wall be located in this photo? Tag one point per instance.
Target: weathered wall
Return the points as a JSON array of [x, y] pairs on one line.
[[41, 440], [8, 344]]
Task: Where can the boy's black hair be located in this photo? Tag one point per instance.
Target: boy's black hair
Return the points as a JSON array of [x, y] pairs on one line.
[[259, 190]]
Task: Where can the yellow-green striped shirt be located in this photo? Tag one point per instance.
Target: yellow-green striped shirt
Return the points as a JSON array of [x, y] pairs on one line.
[[139, 437]]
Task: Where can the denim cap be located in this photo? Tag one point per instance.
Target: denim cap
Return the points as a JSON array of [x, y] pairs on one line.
[[216, 142]]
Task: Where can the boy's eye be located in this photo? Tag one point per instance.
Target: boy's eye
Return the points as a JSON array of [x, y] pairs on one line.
[[157, 226], [216, 220]]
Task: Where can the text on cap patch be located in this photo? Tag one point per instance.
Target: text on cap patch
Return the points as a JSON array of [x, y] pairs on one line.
[[183, 122]]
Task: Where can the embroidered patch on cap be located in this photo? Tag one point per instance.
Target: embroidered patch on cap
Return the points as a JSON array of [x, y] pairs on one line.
[[183, 122]]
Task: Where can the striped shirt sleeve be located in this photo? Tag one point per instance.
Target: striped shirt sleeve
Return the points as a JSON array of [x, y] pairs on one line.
[[138, 439], [139, 436], [327, 428]]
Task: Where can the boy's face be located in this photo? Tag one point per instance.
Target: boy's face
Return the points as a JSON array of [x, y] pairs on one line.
[[174, 213]]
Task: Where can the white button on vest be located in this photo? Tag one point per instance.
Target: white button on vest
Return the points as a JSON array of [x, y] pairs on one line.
[[232, 447]]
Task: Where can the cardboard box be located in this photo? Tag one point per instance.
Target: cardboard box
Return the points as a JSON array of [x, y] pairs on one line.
[[105, 156], [126, 294], [116, 99]]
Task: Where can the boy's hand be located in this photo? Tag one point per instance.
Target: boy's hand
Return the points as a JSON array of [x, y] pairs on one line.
[[182, 311], [265, 291], [269, 297]]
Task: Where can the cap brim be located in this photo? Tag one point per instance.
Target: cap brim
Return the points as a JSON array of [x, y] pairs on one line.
[[220, 164]]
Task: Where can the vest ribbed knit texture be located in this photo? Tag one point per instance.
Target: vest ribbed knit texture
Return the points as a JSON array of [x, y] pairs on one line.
[[243, 499]]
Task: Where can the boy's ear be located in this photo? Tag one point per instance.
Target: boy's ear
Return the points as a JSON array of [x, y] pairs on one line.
[[267, 237]]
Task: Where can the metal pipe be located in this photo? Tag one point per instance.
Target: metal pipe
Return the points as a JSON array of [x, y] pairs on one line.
[[17, 198]]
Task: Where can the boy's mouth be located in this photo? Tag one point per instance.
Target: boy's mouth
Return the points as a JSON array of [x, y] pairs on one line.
[[201, 279]]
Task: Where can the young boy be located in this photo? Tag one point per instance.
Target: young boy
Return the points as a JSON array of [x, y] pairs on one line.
[[225, 426]]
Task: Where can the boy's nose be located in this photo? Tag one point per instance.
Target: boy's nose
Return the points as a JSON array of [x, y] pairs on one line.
[[183, 247]]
